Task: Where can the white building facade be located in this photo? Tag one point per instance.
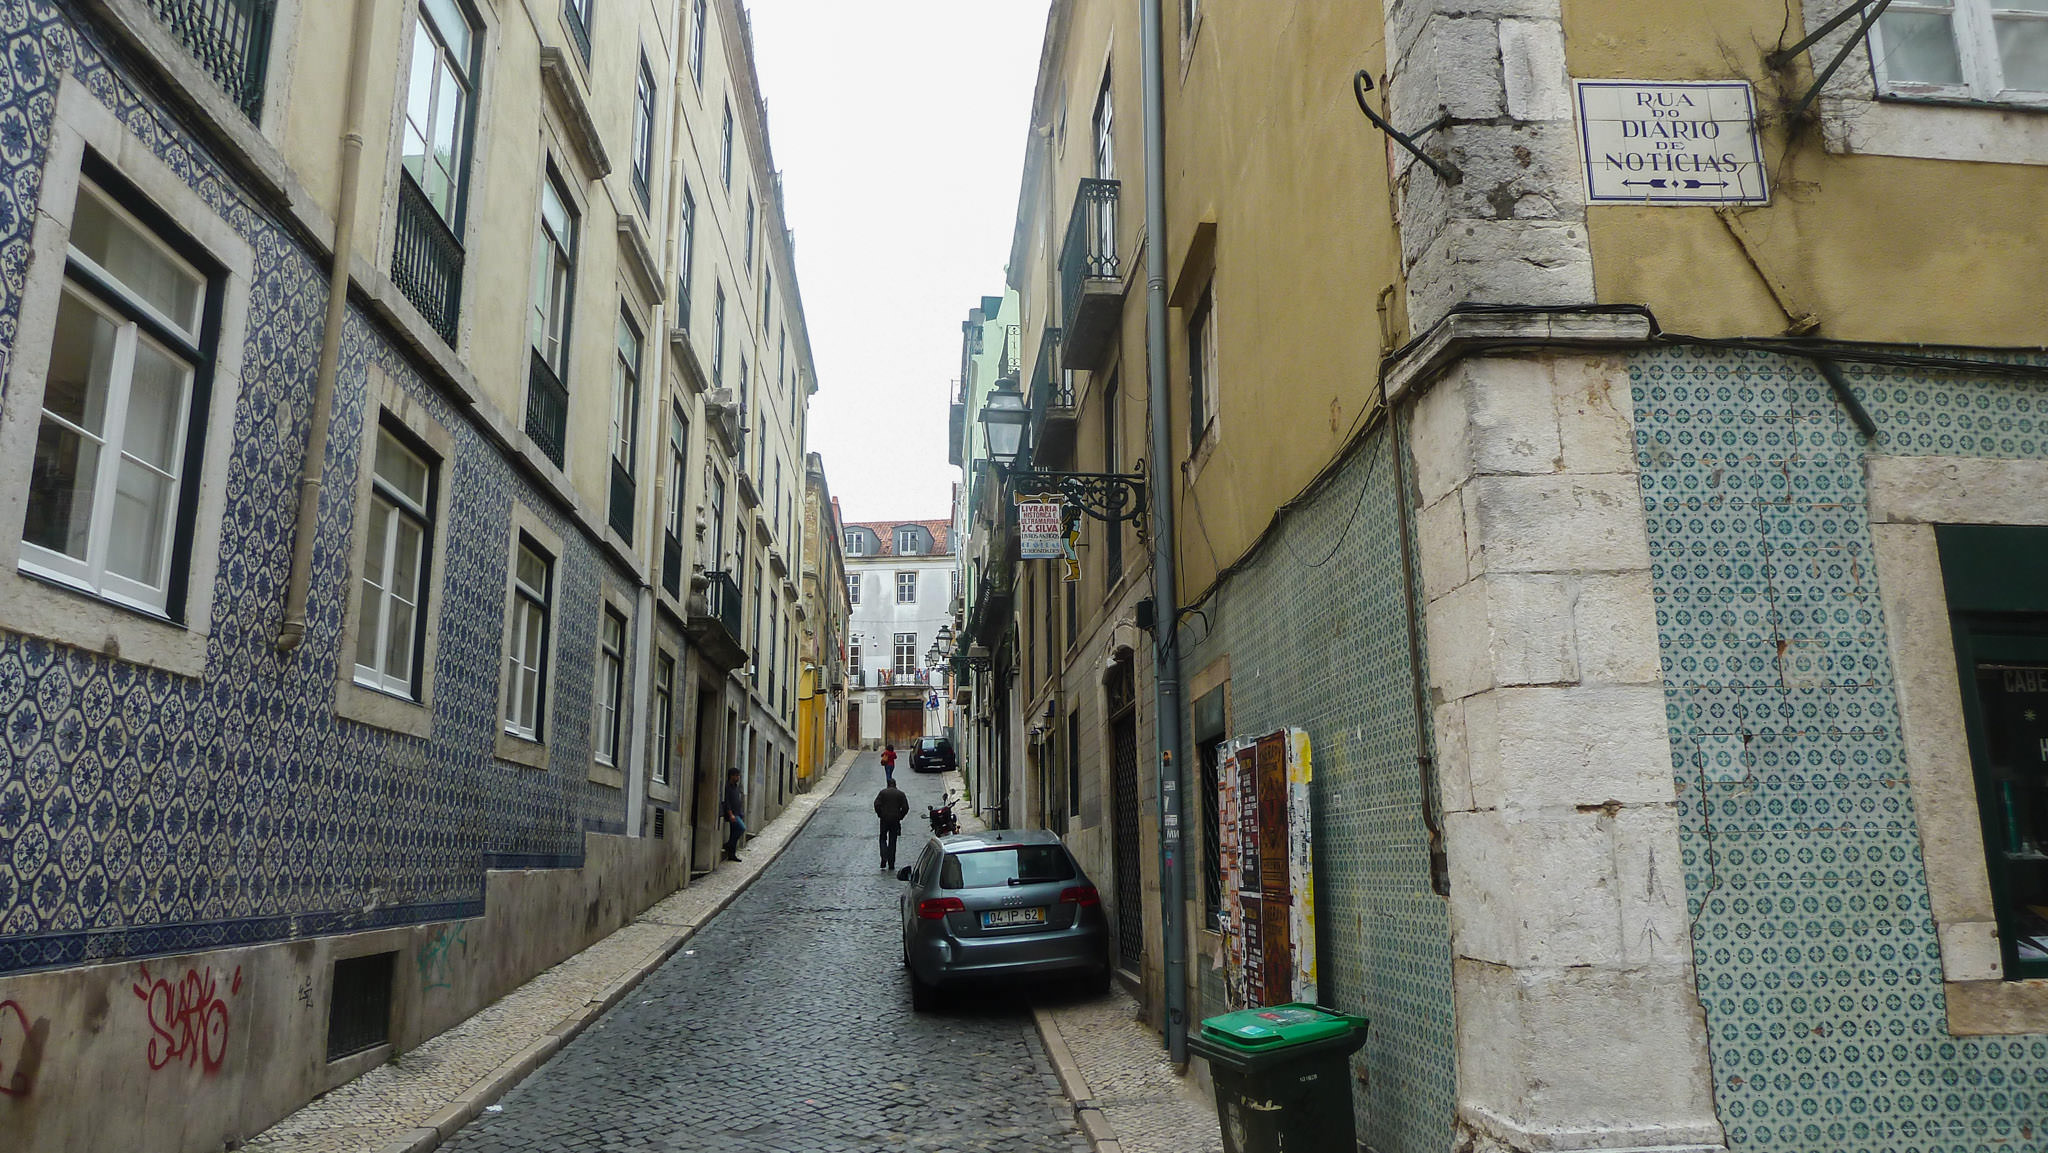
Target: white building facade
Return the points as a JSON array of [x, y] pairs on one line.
[[900, 582]]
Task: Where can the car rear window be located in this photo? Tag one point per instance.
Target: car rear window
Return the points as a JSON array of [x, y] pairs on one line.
[[931, 744], [997, 868]]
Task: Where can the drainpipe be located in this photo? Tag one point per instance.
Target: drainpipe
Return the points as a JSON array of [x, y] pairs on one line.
[[652, 443], [1165, 588], [292, 630]]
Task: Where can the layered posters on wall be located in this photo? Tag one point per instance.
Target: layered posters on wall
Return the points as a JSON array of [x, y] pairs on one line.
[[1269, 909]]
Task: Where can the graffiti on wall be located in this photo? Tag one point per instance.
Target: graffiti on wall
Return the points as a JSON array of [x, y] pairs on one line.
[[189, 1017], [21, 1049], [1269, 903], [436, 957]]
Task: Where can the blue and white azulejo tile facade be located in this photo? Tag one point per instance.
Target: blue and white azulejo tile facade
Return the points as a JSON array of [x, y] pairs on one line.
[[1817, 958], [143, 812]]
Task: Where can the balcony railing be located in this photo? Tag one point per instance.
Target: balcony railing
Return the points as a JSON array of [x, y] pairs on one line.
[[426, 259], [671, 563], [1089, 254], [547, 409], [621, 514], [894, 678], [722, 602], [1011, 360], [1052, 403], [229, 38]]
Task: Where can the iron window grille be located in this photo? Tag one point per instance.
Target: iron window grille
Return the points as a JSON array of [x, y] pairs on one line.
[[359, 1004], [231, 41]]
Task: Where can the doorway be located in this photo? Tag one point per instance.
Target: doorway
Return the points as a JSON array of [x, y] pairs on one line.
[[1130, 889], [905, 723]]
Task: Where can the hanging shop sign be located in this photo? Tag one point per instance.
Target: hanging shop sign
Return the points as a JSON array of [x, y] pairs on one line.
[[1041, 528], [1670, 143], [1269, 908]]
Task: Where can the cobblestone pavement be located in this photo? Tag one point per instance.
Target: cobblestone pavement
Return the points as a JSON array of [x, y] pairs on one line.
[[784, 1026], [392, 1102], [1117, 1065]]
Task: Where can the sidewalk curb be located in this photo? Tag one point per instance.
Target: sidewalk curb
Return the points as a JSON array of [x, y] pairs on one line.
[[470, 1103], [1093, 1124]]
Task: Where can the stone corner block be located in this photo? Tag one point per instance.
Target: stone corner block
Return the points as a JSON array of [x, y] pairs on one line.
[[1557, 524]]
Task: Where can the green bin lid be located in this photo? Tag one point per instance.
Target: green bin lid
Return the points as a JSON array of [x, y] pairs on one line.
[[1276, 1027]]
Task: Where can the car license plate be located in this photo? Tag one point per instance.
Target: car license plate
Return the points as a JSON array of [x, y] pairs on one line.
[[999, 918]]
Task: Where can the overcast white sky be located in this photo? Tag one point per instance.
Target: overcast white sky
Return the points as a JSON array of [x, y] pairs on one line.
[[900, 130]]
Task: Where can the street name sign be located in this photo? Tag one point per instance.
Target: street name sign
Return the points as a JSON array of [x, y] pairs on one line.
[[1041, 528], [1670, 143]]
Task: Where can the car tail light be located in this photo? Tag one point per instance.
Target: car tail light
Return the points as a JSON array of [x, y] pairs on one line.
[[936, 908], [1080, 895]]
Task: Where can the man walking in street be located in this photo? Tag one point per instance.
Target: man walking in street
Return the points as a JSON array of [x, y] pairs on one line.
[[735, 805], [891, 806]]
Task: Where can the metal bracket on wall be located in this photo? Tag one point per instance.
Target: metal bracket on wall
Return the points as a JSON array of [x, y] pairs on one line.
[[1785, 56], [1362, 84], [1106, 496]]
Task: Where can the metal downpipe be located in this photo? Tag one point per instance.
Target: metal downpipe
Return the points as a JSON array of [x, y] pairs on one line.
[[1165, 587], [291, 631]]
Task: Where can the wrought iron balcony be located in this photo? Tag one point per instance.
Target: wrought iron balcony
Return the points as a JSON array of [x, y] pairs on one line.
[[621, 512], [1091, 273], [671, 563], [1052, 404], [229, 38], [426, 259], [547, 409], [715, 625]]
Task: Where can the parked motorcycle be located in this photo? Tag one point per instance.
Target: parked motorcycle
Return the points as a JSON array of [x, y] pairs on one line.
[[944, 823]]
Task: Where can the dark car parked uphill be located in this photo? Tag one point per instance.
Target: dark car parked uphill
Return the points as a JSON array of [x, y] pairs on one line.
[[1002, 907], [932, 755]]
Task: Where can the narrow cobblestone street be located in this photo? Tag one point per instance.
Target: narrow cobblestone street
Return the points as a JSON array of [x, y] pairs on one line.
[[785, 1025]]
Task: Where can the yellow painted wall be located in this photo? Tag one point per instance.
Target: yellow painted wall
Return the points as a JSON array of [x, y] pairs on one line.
[[1265, 142], [1880, 248]]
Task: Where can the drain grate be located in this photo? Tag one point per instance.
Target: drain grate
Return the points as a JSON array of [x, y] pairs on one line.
[[359, 1009]]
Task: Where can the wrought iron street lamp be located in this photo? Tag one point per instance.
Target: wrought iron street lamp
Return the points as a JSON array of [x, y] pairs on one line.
[[1106, 496]]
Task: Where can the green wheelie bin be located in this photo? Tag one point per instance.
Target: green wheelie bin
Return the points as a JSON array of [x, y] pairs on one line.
[[1283, 1078]]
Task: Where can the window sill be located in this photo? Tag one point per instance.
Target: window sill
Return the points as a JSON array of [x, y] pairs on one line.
[[1996, 1008], [1934, 128], [521, 751], [36, 606], [380, 709], [610, 776]]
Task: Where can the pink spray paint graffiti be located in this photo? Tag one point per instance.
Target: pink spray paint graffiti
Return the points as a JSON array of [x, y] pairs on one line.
[[190, 1018], [21, 1049]]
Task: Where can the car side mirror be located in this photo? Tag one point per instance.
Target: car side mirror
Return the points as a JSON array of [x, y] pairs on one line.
[[905, 873]]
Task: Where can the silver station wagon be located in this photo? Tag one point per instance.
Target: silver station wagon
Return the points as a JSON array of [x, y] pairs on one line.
[[998, 908]]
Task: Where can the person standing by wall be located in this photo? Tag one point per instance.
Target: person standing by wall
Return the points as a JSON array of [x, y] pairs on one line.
[[891, 806], [734, 808]]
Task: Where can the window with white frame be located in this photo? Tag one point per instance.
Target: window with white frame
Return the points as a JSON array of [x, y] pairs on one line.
[[853, 658], [123, 408], [526, 648], [908, 542], [392, 595], [749, 241], [853, 589], [906, 654], [611, 681], [678, 462], [725, 149], [625, 424], [643, 131], [438, 105], [718, 336], [1980, 50], [554, 265], [1201, 369], [664, 715], [699, 25], [686, 254], [856, 544], [906, 588]]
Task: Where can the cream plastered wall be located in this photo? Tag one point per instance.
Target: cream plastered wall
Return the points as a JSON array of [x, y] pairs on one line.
[[1277, 186], [1879, 248]]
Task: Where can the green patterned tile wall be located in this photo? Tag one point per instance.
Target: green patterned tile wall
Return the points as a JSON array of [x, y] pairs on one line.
[[1316, 637], [1817, 957]]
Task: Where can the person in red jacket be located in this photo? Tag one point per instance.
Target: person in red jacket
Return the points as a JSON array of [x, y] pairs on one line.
[[889, 763]]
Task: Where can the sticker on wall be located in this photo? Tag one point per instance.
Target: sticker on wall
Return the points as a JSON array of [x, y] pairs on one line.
[[1264, 819], [1670, 143]]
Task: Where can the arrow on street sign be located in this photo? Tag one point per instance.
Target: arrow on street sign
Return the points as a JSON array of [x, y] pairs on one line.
[[1674, 184]]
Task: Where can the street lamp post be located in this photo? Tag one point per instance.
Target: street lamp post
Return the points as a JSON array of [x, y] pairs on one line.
[[1110, 497]]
